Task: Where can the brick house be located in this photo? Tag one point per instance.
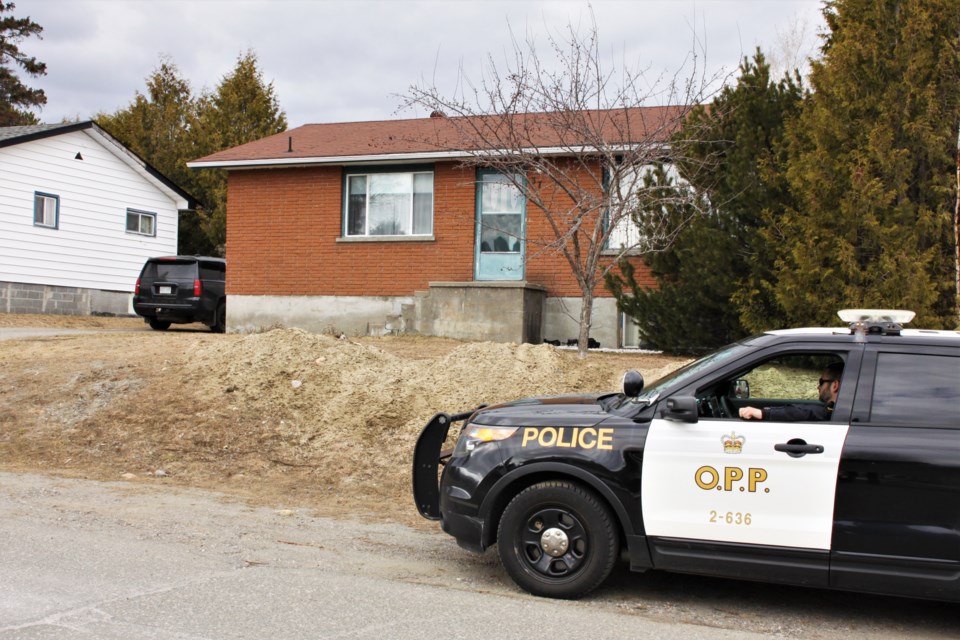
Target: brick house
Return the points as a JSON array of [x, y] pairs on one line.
[[368, 227]]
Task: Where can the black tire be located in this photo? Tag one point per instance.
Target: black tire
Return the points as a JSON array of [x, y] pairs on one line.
[[220, 324], [159, 325], [557, 539]]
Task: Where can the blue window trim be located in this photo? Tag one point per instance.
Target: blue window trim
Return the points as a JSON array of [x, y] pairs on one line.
[[56, 214]]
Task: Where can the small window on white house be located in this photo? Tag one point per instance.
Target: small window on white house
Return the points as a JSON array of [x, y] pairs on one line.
[[46, 210], [141, 222]]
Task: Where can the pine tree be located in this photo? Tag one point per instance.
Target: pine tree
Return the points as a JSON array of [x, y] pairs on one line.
[[15, 97], [243, 108], [688, 311], [872, 166], [157, 126], [169, 126], [714, 282]]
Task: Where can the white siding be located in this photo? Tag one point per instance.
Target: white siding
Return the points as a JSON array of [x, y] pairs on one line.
[[90, 248]]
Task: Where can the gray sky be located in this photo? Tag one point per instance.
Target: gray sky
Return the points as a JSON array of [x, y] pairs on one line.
[[345, 60]]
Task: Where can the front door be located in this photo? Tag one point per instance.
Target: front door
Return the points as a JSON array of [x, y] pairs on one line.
[[501, 225], [729, 481]]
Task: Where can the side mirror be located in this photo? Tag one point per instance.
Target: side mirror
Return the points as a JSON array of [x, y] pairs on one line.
[[681, 409], [632, 383], [740, 389]]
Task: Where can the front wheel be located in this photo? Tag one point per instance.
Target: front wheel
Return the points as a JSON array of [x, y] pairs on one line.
[[557, 539]]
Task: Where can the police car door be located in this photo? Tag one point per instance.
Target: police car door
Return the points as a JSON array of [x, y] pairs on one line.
[[714, 484]]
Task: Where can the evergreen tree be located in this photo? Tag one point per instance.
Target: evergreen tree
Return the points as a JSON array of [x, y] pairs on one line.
[[714, 282], [243, 108], [15, 97], [684, 313], [157, 126], [169, 126], [872, 167]]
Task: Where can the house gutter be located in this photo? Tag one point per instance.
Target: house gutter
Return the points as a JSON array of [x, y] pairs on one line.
[[394, 158]]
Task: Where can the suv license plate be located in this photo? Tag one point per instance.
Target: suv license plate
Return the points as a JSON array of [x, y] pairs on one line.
[[165, 291]]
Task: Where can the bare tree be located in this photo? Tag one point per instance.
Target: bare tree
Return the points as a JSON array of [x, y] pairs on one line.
[[574, 137]]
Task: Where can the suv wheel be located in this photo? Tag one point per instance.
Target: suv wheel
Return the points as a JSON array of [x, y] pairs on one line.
[[220, 324], [159, 325], [557, 539]]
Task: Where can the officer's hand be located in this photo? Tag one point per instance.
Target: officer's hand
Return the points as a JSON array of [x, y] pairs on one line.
[[751, 413]]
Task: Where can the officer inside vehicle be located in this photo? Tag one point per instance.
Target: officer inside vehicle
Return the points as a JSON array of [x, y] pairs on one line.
[[828, 387]]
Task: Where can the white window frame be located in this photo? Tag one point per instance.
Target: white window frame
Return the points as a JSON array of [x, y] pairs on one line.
[[46, 205], [410, 214], [140, 217]]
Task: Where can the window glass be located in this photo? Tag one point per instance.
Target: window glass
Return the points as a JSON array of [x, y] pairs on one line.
[[389, 204], [788, 377], [45, 210], [500, 195], [916, 389], [501, 214], [170, 270], [141, 222], [357, 206], [211, 271]]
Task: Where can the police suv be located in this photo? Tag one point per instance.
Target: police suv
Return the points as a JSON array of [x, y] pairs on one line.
[[865, 497]]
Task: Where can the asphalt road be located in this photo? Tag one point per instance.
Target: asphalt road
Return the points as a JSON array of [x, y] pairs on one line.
[[82, 559]]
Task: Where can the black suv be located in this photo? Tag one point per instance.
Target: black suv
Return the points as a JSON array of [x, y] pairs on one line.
[[182, 289], [859, 493]]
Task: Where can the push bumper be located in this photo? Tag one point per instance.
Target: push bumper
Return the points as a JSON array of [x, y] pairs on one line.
[[427, 458]]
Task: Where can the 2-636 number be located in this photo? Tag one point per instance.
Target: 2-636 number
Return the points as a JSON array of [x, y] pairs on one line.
[[730, 517]]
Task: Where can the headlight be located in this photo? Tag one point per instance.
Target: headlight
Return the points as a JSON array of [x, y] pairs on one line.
[[474, 435]]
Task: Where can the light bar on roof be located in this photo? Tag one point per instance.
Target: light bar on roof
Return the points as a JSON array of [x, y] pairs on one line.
[[897, 316]]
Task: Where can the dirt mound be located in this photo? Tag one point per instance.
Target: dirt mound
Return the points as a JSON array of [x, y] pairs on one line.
[[284, 414], [352, 411]]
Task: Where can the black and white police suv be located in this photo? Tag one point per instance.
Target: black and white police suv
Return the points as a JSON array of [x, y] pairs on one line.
[[865, 498]]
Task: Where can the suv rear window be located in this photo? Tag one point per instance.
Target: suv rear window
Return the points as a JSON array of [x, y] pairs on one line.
[[170, 270]]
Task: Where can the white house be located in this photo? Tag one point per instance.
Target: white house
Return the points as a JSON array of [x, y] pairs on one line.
[[79, 215]]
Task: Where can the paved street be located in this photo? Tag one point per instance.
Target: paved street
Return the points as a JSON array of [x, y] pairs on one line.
[[87, 560]]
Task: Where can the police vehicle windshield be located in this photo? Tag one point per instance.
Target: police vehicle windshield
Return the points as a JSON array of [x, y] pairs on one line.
[[680, 376]]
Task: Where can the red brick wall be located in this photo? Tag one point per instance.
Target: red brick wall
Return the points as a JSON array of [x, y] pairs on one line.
[[283, 226]]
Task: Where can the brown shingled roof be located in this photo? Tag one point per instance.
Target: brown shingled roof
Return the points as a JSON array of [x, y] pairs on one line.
[[442, 136]]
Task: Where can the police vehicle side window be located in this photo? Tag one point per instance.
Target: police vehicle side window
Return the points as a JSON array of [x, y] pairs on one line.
[[787, 377], [916, 389]]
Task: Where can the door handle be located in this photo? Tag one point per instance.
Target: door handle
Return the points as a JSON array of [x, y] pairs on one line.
[[797, 448]]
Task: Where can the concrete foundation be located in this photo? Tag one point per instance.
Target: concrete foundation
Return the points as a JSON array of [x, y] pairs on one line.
[[350, 315], [16, 297], [562, 320], [493, 311]]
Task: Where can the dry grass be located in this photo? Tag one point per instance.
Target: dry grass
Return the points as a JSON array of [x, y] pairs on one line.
[[278, 416]]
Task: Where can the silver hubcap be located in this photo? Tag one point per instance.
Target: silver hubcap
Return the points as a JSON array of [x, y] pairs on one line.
[[554, 542]]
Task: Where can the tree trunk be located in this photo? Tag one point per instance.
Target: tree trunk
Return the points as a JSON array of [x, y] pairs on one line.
[[956, 232], [586, 313]]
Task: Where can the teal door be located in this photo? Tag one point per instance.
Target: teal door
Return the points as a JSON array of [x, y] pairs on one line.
[[501, 225]]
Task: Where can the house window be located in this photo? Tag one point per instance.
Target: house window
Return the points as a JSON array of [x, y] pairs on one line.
[[631, 186], [141, 222], [46, 210], [389, 204]]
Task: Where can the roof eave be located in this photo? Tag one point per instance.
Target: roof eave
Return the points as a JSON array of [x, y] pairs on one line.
[[390, 158]]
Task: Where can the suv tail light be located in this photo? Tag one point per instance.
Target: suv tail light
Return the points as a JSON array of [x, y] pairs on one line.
[[136, 288], [197, 288]]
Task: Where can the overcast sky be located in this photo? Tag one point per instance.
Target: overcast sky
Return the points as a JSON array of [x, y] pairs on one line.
[[346, 60]]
